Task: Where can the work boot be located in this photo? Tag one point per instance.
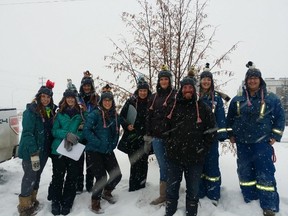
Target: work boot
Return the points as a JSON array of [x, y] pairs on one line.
[[171, 207], [268, 212], [162, 197], [191, 208], [25, 207], [95, 206], [108, 196]]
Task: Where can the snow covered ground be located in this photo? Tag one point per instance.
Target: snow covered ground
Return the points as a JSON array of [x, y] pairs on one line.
[[137, 203]]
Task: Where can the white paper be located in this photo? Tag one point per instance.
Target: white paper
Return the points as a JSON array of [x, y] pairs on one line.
[[74, 154]]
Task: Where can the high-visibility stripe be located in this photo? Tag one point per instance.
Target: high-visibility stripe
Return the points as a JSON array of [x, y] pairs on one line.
[[238, 108], [221, 130], [274, 130], [262, 110], [251, 183], [229, 129], [265, 188], [212, 179]]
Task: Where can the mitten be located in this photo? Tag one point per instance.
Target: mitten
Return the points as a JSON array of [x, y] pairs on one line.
[[35, 161], [72, 138], [68, 145]]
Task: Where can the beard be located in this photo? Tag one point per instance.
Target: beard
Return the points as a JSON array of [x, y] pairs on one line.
[[188, 95]]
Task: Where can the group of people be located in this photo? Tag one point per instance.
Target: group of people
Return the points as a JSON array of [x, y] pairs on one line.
[[181, 127]]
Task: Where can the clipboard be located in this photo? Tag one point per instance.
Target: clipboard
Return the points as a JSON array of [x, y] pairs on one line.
[[131, 115], [74, 154]]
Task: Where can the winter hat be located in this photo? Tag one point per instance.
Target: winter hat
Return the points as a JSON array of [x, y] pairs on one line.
[[87, 79], [253, 72], [142, 83], [165, 72], [69, 93], [206, 72], [189, 80], [106, 95], [47, 89]]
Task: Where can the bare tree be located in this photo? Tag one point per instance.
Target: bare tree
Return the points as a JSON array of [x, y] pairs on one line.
[[171, 32]]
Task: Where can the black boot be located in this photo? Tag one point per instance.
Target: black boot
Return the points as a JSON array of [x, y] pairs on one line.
[[191, 208], [55, 208], [171, 207], [65, 210]]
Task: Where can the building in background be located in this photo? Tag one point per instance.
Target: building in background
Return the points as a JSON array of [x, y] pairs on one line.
[[280, 88]]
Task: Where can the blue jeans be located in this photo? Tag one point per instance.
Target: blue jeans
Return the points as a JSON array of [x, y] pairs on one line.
[[159, 150], [31, 179]]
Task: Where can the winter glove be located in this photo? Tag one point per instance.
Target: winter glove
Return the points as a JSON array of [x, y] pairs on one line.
[[147, 143], [35, 161], [72, 138], [68, 145]]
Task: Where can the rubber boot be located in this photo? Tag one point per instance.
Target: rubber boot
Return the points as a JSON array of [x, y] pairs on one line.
[[162, 197]]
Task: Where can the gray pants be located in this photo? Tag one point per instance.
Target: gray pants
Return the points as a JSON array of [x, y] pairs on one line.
[[31, 179]]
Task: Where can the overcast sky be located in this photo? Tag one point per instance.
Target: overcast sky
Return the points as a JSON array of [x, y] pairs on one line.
[[58, 39]]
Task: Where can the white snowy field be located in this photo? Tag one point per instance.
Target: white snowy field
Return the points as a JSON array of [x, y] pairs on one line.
[[137, 203]]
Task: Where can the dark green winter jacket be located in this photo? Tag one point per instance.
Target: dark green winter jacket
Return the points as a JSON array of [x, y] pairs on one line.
[[36, 137]]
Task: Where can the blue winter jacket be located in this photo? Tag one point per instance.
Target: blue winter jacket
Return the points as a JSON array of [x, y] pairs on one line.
[[99, 138], [251, 124], [219, 113]]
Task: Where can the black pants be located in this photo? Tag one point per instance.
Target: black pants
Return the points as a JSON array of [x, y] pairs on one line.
[[89, 175], [61, 191], [138, 169], [101, 164]]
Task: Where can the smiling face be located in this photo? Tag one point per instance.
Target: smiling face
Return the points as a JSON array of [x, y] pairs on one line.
[[143, 93], [164, 82], [87, 88], [45, 99], [206, 83], [70, 101], [107, 103], [187, 91], [253, 83]]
